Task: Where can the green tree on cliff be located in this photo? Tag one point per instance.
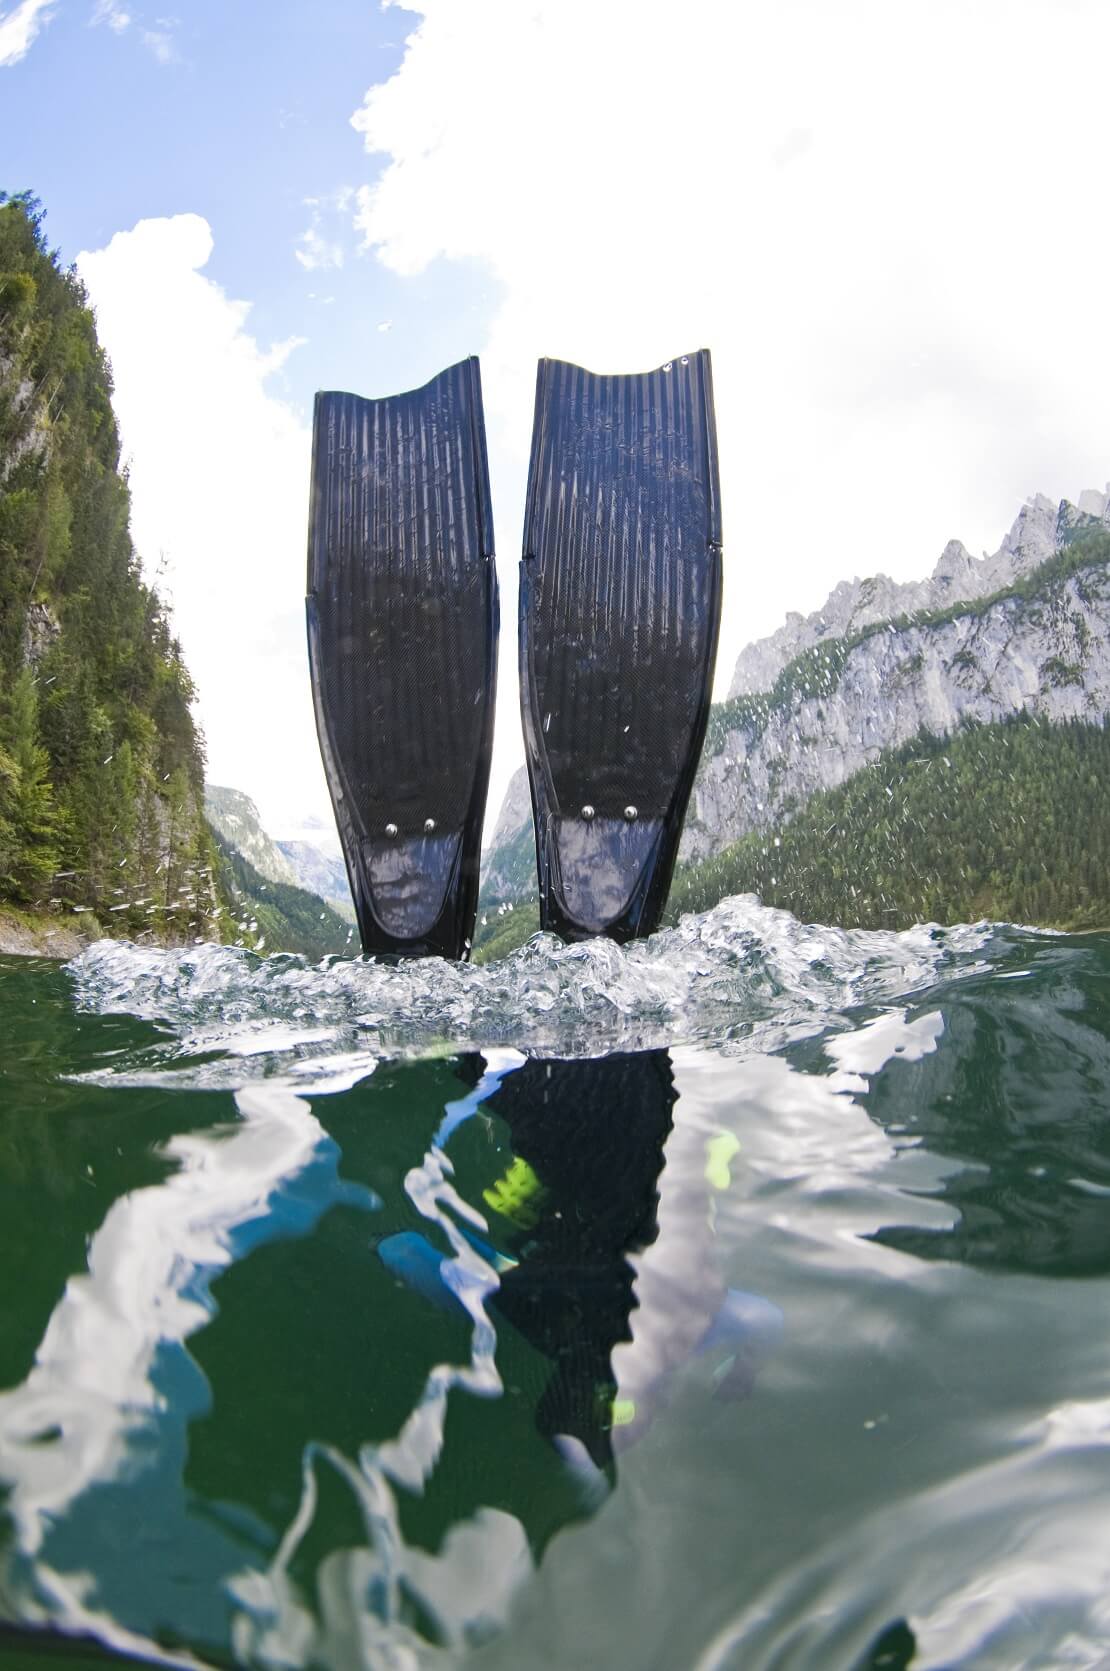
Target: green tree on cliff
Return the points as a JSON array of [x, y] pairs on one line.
[[101, 765]]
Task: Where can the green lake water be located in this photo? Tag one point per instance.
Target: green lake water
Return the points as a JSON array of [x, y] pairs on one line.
[[740, 1299]]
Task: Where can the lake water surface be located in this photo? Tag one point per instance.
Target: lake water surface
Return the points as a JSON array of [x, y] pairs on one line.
[[740, 1299]]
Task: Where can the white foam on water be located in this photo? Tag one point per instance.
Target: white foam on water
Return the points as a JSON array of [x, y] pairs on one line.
[[741, 974]]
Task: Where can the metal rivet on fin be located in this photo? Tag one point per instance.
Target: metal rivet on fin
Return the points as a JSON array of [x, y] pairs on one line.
[[391, 831], [588, 812], [667, 367], [429, 825], [631, 813]]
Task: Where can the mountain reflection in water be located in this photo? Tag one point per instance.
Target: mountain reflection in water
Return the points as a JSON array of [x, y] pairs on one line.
[[791, 1327]]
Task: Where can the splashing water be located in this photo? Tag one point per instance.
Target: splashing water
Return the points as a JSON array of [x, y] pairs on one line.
[[739, 974]]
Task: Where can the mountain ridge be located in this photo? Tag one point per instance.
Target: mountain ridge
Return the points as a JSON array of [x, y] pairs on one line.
[[1040, 528], [298, 866], [1041, 645]]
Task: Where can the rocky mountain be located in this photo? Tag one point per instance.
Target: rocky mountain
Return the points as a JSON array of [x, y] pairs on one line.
[[1040, 644], [509, 862], [1025, 630], [276, 916], [234, 816], [1039, 531], [277, 888], [322, 872]]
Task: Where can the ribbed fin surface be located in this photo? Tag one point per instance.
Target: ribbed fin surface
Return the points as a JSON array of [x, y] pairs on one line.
[[620, 594], [402, 616]]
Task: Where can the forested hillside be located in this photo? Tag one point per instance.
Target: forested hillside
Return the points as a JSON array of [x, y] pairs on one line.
[[277, 916], [1008, 821], [101, 767]]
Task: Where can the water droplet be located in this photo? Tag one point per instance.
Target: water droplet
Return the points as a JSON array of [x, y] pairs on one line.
[[631, 813], [588, 812], [391, 831], [686, 359], [667, 367], [429, 825]]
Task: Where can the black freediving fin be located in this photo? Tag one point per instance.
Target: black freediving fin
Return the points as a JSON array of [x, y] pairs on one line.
[[620, 594], [402, 642]]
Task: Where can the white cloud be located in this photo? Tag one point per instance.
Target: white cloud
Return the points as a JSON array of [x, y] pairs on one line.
[[219, 482], [19, 27], [159, 42], [884, 220], [113, 14], [316, 249]]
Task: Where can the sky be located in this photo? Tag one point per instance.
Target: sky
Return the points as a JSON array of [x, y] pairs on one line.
[[886, 219]]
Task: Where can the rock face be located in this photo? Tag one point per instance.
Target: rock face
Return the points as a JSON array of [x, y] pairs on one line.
[[509, 862], [1038, 532], [32, 436], [980, 639], [235, 816], [321, 873], [516, 809], [41, 630], [1043, 646], [318, 869]]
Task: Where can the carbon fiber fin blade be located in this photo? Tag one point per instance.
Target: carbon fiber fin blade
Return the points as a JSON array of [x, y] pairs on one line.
[[620, 595], [402, 639]]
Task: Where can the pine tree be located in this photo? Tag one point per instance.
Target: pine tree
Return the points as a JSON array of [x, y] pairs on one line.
[[31, 812]]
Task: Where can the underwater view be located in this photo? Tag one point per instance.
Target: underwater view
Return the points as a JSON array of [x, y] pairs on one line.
[[734, 1299]]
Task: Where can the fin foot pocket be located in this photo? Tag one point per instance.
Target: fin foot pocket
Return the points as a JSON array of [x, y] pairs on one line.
[[620, 597], [402, 637]]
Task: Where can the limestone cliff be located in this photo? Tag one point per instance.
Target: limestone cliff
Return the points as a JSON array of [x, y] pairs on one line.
[[1040, 643], [235, 817], [1039, 531]]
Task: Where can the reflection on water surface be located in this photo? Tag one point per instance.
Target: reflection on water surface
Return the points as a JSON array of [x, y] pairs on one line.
[[769, 1333]]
